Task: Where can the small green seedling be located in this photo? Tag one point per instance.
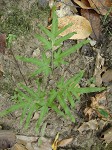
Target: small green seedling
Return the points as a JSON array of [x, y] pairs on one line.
[[64, 93], [10, 38]]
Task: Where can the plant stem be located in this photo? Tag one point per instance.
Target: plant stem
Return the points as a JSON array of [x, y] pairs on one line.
[[52, 56], [18, 67], [52, 66]]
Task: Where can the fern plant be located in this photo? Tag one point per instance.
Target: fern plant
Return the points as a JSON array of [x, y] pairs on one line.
[[64, 93]]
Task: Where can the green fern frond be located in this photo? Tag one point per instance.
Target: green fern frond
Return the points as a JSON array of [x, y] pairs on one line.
[[54, 27], [12, 109], [47, 32], [63, 29], [43, 65], [23, 115], [89, 90], [58, 111], [76, 95], [73, 81], [34, 61], [71, 50], [57, 60], [64, 38], [47, 44], [30, 92], [44, 111], [30, 114], [70, 98], [65, 107]]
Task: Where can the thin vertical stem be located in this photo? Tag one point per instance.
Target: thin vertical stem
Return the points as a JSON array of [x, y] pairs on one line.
[[18, 66], [52, 56]]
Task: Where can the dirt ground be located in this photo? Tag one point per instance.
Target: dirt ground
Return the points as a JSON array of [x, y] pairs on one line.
[[21, 18]]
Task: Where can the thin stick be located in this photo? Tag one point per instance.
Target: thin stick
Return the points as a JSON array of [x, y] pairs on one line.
[[18, 66]]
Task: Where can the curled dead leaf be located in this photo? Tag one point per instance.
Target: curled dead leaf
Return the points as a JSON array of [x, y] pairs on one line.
[[64, 142], [25, 142], [101, 6], [80, 25], [90, 125], [99, 69], [82, 4], [89, 112], [26, 139], [85, 2], [98, 100], [19, 147], [60, 143], [94, 19], [98, 106]]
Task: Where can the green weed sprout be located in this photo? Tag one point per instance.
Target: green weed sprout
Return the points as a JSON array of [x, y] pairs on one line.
[[10, 38], [65, 92]]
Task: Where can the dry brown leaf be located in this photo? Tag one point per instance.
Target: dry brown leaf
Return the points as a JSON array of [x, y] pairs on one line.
[[90, 125], [99, 68], [100, 96], [107, 76], [64, 142], [7, 139], [94, 19], [98, 100], [83, 127], [93, 124], [19, 147], [94, 103], [98, 106], [107, 135], [60, 143], [80, 25], [25, 139], [89, 112], [101, 6], [25, 142], [82, 4], [85, 2]]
